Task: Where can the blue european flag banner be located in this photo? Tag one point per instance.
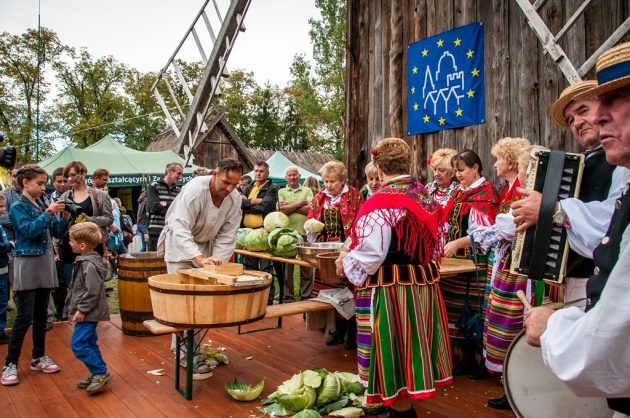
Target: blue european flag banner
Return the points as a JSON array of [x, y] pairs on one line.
[[445, 80]]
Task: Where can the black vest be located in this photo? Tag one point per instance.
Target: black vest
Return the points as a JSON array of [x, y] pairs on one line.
[[595, 186], [605, 257]]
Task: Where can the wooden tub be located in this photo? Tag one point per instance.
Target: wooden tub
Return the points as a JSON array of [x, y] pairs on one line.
[[184, 301]]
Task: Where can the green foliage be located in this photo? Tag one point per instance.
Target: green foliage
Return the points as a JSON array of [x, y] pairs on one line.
[[100, 95], [20, 57], [91, 100]]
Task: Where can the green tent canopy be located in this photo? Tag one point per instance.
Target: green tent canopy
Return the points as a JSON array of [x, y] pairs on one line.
[[278, 163], [127, 167]]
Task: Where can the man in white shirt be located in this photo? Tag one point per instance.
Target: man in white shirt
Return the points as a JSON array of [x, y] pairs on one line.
[[200, 228], [589, 350]]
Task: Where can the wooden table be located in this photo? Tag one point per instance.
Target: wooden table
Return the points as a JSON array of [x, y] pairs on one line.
[[449, 266]]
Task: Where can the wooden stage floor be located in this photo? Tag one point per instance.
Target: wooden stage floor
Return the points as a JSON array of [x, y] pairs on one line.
[[275, 354]]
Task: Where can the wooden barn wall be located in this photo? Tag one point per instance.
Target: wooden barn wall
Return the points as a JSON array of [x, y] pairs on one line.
[[214, 148], [520, 81]]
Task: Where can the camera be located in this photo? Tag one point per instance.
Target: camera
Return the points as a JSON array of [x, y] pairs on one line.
[[7, 155], [74, 209]]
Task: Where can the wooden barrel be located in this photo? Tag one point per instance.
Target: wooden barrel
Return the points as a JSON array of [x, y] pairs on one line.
[[133, 290], [185, 301]]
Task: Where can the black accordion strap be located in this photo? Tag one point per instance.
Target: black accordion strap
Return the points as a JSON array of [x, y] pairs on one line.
[[542, 237]]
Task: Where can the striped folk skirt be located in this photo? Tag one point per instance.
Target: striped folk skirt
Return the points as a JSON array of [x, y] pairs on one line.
[[403, 342], [504, 314]]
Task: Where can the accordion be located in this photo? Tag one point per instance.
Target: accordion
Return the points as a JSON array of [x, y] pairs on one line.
[[541, 251]]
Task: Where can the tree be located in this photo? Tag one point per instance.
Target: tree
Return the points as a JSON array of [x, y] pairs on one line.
[[301, 116], [328, 36], [142, 119], [266, 118], [91, 103], [320, 98], [24, 60], [236, 101]]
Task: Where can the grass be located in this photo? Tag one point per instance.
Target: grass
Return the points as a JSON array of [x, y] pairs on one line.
[[112, 301]]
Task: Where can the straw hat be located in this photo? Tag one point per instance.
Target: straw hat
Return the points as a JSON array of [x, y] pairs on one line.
[[574, 91], [613, 69]]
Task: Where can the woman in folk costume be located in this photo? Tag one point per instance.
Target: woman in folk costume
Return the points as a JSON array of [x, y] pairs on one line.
[[404, 348], [443, 185], [336, 207], [504, 311], [474, 206]]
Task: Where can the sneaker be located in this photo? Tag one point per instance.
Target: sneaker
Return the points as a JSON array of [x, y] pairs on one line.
[[84, 383], [44, 364], [4, 338], [199, 366], [98, 383], [10, 375]]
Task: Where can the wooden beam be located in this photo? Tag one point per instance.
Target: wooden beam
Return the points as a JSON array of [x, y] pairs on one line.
[[610, 42], [554, 50], [572, 20]]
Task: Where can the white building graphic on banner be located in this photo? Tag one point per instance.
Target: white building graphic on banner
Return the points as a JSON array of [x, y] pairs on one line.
[[447, 84]]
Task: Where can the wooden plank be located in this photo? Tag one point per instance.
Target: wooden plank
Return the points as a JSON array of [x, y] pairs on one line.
[[294, 308], [382, 106], [396, 70], [267, 256], [455, 266], [549, 72], [159, 329]]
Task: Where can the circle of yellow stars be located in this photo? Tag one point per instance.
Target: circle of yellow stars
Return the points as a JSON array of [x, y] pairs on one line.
[[470, 93]]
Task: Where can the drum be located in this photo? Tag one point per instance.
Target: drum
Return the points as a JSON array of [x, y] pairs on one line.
[[533, 391]]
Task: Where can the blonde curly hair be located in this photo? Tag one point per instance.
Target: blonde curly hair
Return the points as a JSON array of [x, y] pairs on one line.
[[509, 149], [442, 157]]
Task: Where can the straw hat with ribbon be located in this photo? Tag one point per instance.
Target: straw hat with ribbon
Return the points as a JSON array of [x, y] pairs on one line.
[[580, 89], [613, 69]]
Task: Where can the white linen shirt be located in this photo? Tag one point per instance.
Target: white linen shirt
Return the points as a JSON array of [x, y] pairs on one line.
[[590, 352], [195, 226], [589, 221]]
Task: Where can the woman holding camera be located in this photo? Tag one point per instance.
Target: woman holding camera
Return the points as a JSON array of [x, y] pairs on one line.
[[34, 276], [85, 204]]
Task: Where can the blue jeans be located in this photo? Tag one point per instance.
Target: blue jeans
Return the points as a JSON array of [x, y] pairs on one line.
[[142, 229], [4, 300], [85, 348], [32, 308]]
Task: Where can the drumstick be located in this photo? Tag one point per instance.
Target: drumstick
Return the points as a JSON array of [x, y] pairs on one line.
[[521, 295]]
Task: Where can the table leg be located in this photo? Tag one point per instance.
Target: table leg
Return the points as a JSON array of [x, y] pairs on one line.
[[189, 337]]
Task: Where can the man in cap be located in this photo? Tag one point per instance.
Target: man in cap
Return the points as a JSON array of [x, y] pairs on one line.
[[585, 218], [589, 350]]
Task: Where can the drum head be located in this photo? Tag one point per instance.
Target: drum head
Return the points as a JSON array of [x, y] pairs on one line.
[[533, 391]]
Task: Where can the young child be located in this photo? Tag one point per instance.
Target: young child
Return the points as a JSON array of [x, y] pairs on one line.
[[373, 182], [86, 304], [33, 270], [5, 249]]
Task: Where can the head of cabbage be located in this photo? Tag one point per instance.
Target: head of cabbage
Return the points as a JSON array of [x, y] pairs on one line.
[[256, 240], [275, 220], [283, 241], [240, 237]]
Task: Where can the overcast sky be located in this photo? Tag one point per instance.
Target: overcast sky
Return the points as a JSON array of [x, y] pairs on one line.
[[144, 33]]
